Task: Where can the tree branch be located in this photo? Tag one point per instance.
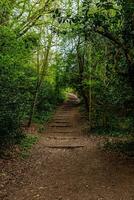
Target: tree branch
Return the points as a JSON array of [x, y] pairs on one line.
[[116, 41]]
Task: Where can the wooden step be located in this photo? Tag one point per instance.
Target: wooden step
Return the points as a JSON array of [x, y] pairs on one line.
[[59, 131], [60, 122], [60, 125], [62, 138], [64, 146]]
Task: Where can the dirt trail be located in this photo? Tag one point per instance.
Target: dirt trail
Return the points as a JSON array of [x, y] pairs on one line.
[[68, 165]]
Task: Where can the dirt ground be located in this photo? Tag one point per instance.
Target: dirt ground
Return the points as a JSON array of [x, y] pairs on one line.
[[66, 164]]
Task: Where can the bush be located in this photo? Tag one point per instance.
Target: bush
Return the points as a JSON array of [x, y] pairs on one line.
[[15, 85]]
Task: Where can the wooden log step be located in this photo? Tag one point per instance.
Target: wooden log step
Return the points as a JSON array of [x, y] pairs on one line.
[[62, 138], [60, 131], [60, 122], [60, 126], [64, 146]]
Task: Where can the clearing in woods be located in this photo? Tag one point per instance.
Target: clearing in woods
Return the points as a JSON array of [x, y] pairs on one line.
[[66, 164]]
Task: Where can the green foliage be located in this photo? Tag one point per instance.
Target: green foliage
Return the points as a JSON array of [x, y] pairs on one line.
[[48, 99], [13, 56], [26, 144], [100, 63], [20, 40], [47, 48], [126, 147]]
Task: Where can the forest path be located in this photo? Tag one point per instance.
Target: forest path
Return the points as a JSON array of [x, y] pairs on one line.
[[66, 164]]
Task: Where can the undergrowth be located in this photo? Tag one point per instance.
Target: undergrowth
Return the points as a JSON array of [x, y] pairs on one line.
[[43, 117], [126, 147], [110, 132], [26, 144]]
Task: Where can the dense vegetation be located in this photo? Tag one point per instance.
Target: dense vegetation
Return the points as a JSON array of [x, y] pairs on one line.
[[47, 46]]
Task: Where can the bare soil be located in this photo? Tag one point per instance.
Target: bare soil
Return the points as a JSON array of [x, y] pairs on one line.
[[66, 164]]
